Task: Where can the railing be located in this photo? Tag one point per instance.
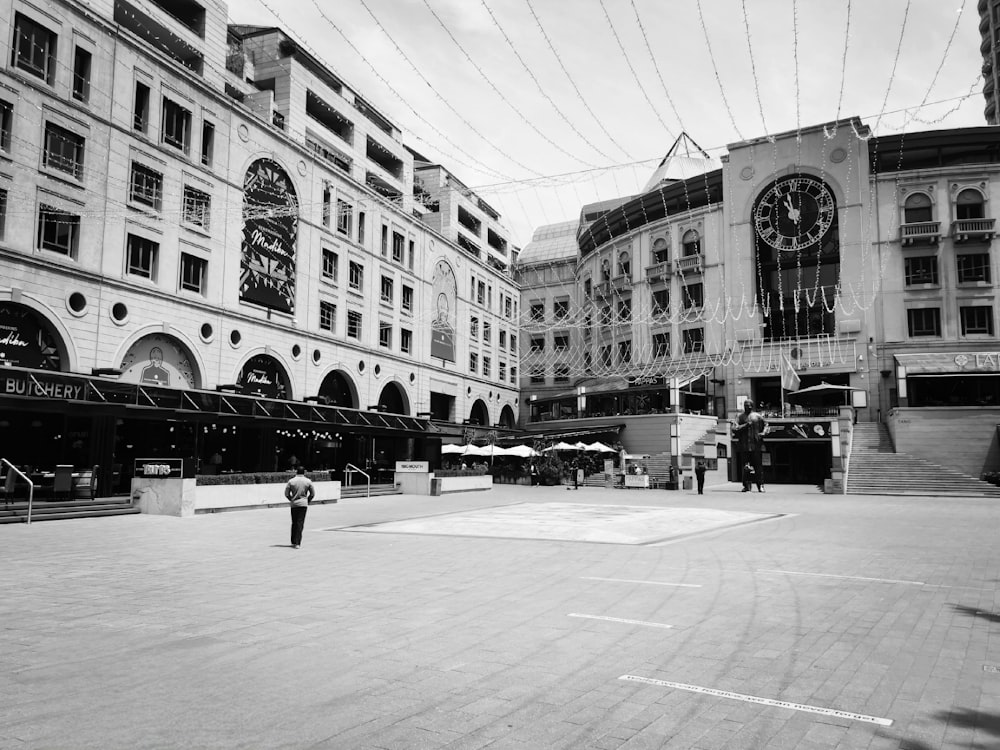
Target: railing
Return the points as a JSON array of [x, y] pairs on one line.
[[31, 485], [964, 230], [659, 271], [920, 232], [689, 264], [352, 469]]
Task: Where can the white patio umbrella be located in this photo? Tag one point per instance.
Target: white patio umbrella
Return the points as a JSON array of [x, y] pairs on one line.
[[561, 446], [522, 451], [599, 447], [453, 449]]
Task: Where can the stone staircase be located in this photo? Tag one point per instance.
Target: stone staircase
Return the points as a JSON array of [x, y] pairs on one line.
[[876, 469], [16, 511], [361, 490]]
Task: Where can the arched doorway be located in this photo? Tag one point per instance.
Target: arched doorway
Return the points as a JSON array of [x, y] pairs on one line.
[[507, 418], [27, 339], [264, 376], [393, 399], [161, 360], [479, 414], [338, 390]]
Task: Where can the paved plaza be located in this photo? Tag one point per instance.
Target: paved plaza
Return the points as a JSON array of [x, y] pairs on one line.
[[522, 617]]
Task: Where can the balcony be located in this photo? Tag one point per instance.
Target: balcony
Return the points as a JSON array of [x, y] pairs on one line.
[[621, 283], [972, 230], [603, 289], [659, 272], [920, 233], [690, 264]]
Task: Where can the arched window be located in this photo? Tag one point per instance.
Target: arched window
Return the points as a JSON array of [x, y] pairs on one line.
[[918, 207], [691, 243], [969, 205], [605, 269], [624, 264], [660, 252]]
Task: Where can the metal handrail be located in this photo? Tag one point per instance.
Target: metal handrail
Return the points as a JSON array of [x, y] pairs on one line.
[[351, 468], [31, 485]]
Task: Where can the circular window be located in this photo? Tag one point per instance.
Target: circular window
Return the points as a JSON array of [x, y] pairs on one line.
[[119, 312], [77, 303], [412, 377], [490, 395], [317, 355], [361, 366], [468, 391], [378, 369], [296, 351], [207, 332], [235, 337]]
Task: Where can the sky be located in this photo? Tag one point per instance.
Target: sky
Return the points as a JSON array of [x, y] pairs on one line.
[[542, 106]]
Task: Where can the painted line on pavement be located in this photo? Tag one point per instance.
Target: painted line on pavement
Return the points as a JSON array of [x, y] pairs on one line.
[[650, 583], [845, 578], [761, 701], [618, 619]]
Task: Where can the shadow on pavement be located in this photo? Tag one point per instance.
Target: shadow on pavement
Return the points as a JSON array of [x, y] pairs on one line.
[[976, 612]]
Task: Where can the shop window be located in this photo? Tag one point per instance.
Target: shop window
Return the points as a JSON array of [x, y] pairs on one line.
[[34, 49], [81, 74], [973, 267], [331, 265], [194, 271], [691, 243], [694, 340], [141, 256], [976, 320], [969, 205], [176, 130], [918, 208], [921, 270], [354, 324], [145, 186], [197, 207], [63, 150], [405, 340], [58, 231], [924, 321], [327, 316]]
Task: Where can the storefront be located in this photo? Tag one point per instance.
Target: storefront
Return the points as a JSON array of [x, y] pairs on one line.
[[948, 379], [795, 452]]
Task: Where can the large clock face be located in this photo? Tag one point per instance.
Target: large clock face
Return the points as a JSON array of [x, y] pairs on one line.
[[794, 213]]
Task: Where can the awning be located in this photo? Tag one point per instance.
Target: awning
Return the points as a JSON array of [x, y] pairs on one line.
[[950, 363], [571, 436]]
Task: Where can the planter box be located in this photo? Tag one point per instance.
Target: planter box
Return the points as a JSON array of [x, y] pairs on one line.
[[466, 484], [216, 497]]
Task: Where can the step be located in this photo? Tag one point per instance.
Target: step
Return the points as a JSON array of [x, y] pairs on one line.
[[68, 514]]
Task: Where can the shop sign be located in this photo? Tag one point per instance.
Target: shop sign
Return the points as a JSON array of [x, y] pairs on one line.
[[43, 386], [263, 376], [645, 381], [445, 294], [159, 468], [413, 467], [986, 361], [270, 226], [159, 360], [798, 431], [25, 340]]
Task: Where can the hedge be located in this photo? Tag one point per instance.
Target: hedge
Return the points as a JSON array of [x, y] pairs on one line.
[[259, 477]]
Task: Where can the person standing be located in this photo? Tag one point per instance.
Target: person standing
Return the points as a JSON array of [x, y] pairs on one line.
[[699, 472], [299, 491], [750, 429]]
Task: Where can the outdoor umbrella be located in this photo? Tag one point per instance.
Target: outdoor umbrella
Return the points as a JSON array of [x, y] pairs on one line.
[[823, 389], [560, 446], [453, 449], [522, 451], [599, 447]]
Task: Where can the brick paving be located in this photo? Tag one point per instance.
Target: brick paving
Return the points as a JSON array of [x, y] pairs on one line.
[[211, 632]]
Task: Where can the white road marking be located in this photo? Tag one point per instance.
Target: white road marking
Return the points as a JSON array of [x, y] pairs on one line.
[[844, 578], [651, 583], [762, 701], [618, 619]]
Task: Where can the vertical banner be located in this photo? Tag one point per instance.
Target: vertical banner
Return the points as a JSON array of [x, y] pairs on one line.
[[270, 227], [445, 295]]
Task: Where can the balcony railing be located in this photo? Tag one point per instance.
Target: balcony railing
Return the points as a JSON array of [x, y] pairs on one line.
[[690, 264], [603, 289], [973, 230], [621, 282], [920, 233], [659, 271]]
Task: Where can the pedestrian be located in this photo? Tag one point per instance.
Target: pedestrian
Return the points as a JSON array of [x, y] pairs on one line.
[[575, 467], [748, 476], [534, 475], [699, 472], [299, 491]]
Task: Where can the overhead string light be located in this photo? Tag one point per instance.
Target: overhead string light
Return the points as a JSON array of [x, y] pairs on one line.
[[895, 62], [715, 69]]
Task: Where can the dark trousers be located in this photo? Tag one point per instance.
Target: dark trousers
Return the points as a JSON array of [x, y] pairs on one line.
[[298, 522], [701, 483]]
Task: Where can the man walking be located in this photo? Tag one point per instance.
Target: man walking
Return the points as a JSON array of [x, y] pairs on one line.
[[699, 472], [299, 491]]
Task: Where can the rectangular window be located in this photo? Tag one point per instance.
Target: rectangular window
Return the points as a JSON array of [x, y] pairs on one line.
[[974, 268], [58, 231], [397, 247], [141, 254], [487, 331], [386, 290], [513, 342], [327, 316], [355, 276], [473, 362], [561, 373], [34, 49], [405, 340], [560, 309], [145, 186], [63, 150], [407, 300], [487, 366], [331, 265], [661, 345], [385, 334], [353, 324], [326, 205], [501, 371], [481, 293], [345, 217], [537, 344], [693, 296], [197, 207], [661, 301], [6, 124], [977, 320], [474, 328], [193, 273], [506, 307], [207, 143], [361, 227], [694, 340], [624, 351], [924, 321], [625, 309], [3, 212], [605, 355], [503, 339], [921, 270], [140, 111], [176, 129], [81, 74], [537, 374], [385, 241], [513, 375], [560, 342], [537, 312], [411, 255]]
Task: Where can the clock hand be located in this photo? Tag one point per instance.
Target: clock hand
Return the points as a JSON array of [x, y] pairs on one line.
[[793, 213]]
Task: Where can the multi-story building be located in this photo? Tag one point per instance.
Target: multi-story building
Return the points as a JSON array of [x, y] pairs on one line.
[[989, 28], [212, 245], [863, 262]]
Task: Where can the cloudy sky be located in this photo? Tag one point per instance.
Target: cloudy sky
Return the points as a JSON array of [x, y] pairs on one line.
[[544, 105]]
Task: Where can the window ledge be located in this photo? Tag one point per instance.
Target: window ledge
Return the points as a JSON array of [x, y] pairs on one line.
[[63, 177], [201, 231]]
